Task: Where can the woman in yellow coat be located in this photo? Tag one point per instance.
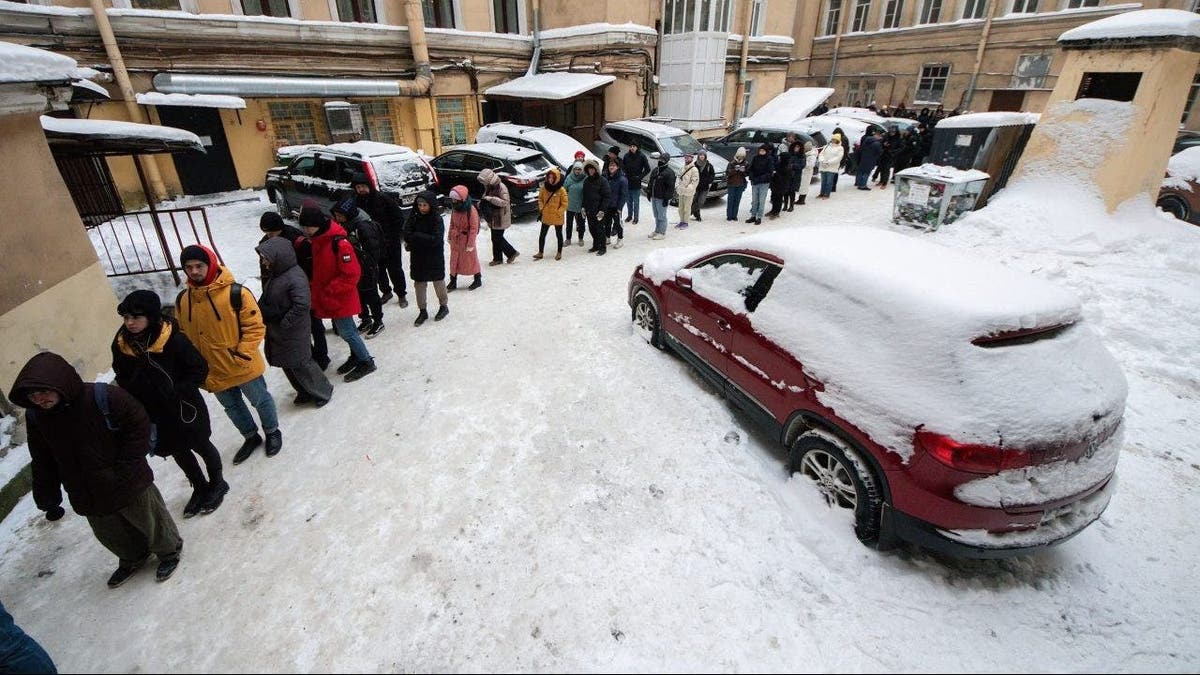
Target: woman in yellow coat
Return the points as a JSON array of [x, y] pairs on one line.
[[552, 204]]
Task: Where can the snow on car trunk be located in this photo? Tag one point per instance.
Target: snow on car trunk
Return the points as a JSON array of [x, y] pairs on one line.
[[889, 325]]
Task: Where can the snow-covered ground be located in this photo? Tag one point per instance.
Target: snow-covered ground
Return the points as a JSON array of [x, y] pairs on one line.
[[528, 486]]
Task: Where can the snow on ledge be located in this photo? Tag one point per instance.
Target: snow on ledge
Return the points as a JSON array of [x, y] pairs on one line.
[[988, 119], [768, 39], [597, 28], [1139, 24], [19, 63], [944, 174], [115, 128], [192, 100], [550, 86]]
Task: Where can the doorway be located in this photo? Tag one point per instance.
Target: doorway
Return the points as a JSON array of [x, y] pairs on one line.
[[212, 171]]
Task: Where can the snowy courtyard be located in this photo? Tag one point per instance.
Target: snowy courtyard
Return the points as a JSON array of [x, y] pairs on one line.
[[527, 485]]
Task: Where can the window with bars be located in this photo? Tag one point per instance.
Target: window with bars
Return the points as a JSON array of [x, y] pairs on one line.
[[1077, 4], [378, 123], [359, 11], [1191, 99], [507, 17], [452, 121], [862, 8], [931, 11], [932, 85], [266, 8], [293, 122], [438, 13], [833, 17], [1024, 6], [974, 9], [893, 10]]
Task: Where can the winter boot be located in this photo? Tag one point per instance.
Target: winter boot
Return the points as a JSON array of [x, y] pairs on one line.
[[362, 370], [248, 446], [302, 398], [216, 494], [199, 493], [166, 568], [347, 366], [403, 301], [274, 443], [123, 573], [801, 199], [538, 255], [478, 281], [375, 329], [441, 313], [383, 299], [364, 325], [422, 317], [453, 285]]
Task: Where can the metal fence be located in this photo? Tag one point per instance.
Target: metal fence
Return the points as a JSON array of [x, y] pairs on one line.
[[148, 241]]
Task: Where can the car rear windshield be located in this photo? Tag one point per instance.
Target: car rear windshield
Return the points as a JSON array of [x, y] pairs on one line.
[[401, 173], [682, 144], [532, 164]]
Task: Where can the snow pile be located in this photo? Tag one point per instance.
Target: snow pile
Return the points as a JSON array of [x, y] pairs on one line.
[[1140, 24], [113, 128], [789, 107], [91, 86], [1081, 130], [988, 119], [19, 63], [1183, 169], [725, 284], [944, 174], [192, 100], [550, 86]]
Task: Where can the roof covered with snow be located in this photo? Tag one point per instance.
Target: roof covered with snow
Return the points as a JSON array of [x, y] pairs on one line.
[[369, 148], [944, 174], [192, 100], [114, 137], [19, 63], [988, 119], [789, 107], [1145, 23], [596, 28], [550, 86]]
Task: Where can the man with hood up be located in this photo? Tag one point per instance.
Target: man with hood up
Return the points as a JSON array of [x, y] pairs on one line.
[[285, 304], [92, 439], [228, 339], [385, 210], [367, 238], [597, 193], [496, 208], [573, 182]]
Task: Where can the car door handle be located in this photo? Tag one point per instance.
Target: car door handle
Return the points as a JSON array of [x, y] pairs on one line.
[[722, 324]]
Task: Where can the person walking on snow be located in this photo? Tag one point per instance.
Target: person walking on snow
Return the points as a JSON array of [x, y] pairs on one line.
[[573, 183], [635, 166], [367, 239], [334, 287], [737, 184], [707, 174], [386, 211], [92, 439], [618, 188], [552, 207], [464, 230], [868, 156], [596, 196], [495, 207], [286, 305], [427, 255], [662, 190], [228, 330], [161, 368], [829, 163], [761, 168], [272, 225]]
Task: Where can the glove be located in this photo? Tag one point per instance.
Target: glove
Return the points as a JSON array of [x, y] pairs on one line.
[[54, 513]]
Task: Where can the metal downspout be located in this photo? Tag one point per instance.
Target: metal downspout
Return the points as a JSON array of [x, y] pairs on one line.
[[136, 114], [537, 38], [965, 102], [423, 82], [740, 90]]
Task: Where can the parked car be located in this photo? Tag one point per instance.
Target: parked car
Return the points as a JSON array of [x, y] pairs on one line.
[[1184, 140], [557, 147], [945, 401], [521, 169], [323, 172], [1180, 191], [855, 129], [651, 138], [752, 137]]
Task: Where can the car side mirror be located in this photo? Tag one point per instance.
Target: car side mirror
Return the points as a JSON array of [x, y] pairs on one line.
[[655, 155], [683, 279]]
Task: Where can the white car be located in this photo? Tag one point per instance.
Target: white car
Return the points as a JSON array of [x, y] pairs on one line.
[[558, 147]]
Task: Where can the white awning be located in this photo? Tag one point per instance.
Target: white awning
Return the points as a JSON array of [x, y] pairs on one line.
[[550, 86], [192, 100], [113, 130]]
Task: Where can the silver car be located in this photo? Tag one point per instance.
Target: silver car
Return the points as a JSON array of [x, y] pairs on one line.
[[652, 137]]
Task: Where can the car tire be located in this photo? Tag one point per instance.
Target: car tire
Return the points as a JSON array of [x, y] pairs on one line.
[[1175, 206], [646, 320], [842, 477]]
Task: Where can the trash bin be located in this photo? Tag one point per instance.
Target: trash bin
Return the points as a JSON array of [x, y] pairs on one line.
[[930, 196], [991, 142]]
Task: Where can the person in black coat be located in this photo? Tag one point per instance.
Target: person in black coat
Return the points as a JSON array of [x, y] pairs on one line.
[[760, 171], [286, 304], [161, 368], [707, 175], [870, 151], [635, 166], [385, 210], [781, 187], [887, 161], [272, 225], [597, 193], [425, 239], [661, 190]]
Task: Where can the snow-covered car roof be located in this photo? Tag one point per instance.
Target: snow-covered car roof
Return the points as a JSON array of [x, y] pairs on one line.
[[790, 107], [370, 149], [653, 128], [560, 146], [513, 153], [863, 114], [1183, 169]]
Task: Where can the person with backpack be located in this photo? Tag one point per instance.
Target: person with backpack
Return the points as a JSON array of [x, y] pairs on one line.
[[272, 225], [573, 183], [496, 209], [462, 235], [92, 439], [386, 211], [661, 187], [618, 188], [366, 237], [635, 166], [334, 286], [427, 261], [161, 368], [286, 305], [552, 209], [222, 319]]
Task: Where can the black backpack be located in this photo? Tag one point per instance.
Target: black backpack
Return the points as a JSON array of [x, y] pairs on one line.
[[235, 302]]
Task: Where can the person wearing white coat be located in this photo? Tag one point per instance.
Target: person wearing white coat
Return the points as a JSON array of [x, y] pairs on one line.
[[810, 166], [685, 188], [830, 163]]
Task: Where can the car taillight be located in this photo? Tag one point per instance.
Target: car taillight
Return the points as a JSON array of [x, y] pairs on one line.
[[371, 175], [971, 457], [523, 183]]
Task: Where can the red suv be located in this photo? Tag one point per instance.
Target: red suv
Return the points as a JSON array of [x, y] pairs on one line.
[[949, 402]]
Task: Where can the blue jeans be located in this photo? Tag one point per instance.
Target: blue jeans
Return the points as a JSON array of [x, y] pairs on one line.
[[260, 398], [733, 200], [20, 653], [659, 207], [758, 199], [864, 173], [828, 180], [635, 200], [346, 330]]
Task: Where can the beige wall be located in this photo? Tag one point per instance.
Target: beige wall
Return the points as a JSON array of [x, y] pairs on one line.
[[477, 15], [214, 7], [53, 295], [318, 10]]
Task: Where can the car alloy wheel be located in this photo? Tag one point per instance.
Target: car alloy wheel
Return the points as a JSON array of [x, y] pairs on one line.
[[645, 319], [1174, 206], [281, 206], [842, 477]]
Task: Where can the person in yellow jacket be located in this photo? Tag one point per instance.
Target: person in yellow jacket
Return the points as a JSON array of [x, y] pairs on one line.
[[552, 204], [229, 341]]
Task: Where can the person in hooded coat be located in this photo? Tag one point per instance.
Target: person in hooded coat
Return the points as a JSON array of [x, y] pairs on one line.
[[367, 238], [496, 210], [737, 183], [272, 225], [829, 163], [596, 196], [707, 174], [552, 209], [100, 459], [869, 153], [781, 185], [427, 252], [159, 366], [573, 183], [797, 159], [462, 235], [810, 168], [385, 210], [286, 303]]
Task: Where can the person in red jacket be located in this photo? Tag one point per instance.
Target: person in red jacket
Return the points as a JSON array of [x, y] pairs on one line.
[[335, 286]]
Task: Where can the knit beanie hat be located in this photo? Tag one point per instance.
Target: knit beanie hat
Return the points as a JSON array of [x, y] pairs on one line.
[[194, 252], [141, 303], [579, 154], [459, 193], [270, 222], [347, 207], [311, 215]]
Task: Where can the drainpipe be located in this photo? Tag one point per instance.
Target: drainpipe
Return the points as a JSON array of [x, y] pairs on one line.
[[965, 102], [740, 90], [537, 38], [423, 82], [837, 40], [136, 113]]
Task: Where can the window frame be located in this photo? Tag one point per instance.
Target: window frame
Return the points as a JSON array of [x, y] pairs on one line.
[[747, 98], [436, 6], [921, 77], [758, 18], [1193, 91], [1080, 4], [442, 115], [519, 16], [896, 9], [1027, 7], [376, 15], [833, 17], [265, 5], [862, 13], [979, 7], [930, 13]]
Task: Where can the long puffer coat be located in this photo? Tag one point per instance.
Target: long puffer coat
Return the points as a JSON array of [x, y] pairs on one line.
[[285, 302], [424, 238], [464, 228], [164, 372]]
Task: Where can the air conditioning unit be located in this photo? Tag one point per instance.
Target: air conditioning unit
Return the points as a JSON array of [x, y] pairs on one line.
[[344, 119]]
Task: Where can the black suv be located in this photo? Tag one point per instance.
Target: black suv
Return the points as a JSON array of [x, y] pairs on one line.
[[322, 173], [521, 169]]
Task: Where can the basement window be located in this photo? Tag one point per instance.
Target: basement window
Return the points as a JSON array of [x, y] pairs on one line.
[[1109, 86]]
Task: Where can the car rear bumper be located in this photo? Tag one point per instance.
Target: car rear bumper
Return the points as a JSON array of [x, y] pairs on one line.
[[1057, 525]]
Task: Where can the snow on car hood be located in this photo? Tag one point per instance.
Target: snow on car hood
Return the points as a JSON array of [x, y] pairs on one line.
[[885, 322]]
